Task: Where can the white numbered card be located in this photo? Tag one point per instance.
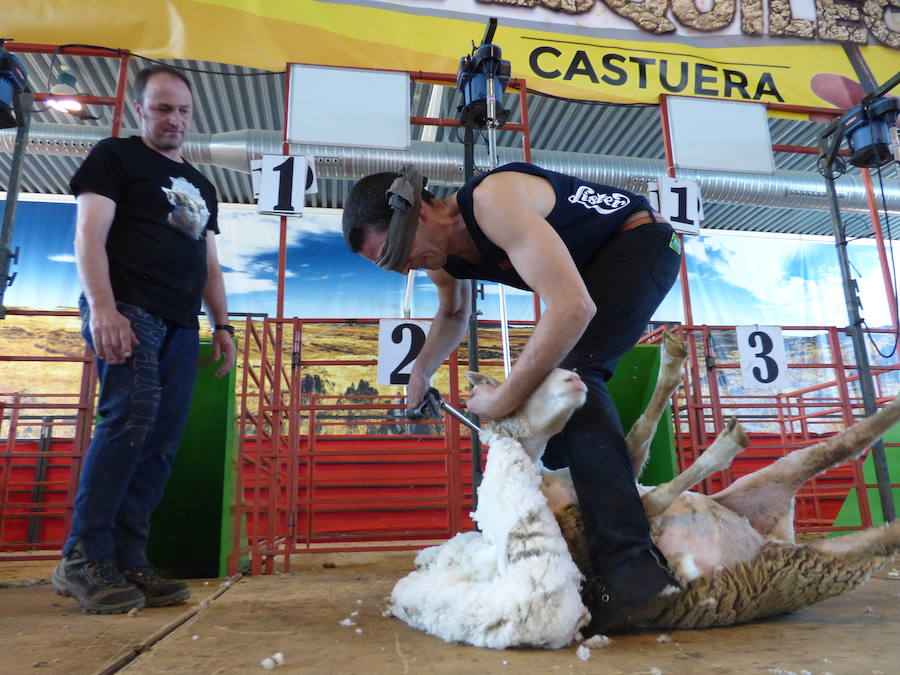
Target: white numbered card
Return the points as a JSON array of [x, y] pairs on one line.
[[282, 185], [312, 181], [399, 343], [763, 363], [678, 200]]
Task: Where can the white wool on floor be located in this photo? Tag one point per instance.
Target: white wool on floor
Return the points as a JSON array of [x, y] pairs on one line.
[[513, 584]]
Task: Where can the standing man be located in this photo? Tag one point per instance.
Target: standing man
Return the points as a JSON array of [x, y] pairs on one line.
[[602, 262], [146, 256]]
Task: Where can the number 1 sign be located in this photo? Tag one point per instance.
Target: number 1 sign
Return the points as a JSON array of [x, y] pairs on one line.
[[763, 363], [399, 343], [282, 185], [678, 200]]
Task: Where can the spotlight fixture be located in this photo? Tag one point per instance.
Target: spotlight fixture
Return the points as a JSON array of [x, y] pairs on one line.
[[62, 94], [868, 128], [13, 81]]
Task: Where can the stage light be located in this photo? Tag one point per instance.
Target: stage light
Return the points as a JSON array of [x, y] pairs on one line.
[[63, 92], [868, 130], [13, 80]]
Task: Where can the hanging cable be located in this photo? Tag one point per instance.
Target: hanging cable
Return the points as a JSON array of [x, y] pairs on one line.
[[567, 99], [54, 59], [124, 52]]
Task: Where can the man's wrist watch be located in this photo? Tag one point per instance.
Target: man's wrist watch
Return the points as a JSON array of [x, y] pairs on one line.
[[225, 327]]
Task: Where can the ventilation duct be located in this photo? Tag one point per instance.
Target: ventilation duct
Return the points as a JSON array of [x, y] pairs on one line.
[[442, 163]]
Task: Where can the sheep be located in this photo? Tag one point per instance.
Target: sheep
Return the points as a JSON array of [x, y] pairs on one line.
[[735, 552], [517, 582], [514, 583]]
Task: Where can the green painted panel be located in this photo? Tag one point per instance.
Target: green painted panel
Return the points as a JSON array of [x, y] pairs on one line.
[[631, 388], [849, 515], [191, 533], [192, 530]]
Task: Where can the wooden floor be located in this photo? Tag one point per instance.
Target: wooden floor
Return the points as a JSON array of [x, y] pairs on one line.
[[230, 629]]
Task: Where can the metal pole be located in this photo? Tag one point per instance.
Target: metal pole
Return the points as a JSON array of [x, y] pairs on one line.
[[407, 298], [492, 125], [492, 120], [22, 104], [469, 172], [889, 290], [859, 349]]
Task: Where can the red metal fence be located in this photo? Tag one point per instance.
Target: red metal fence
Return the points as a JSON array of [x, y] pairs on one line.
[[326, 460], [826, 399]]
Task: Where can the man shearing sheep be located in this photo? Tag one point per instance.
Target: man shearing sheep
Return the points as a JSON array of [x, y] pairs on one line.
[[602, 262]]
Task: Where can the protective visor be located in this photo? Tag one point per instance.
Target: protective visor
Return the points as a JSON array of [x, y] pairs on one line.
[[405, 199]]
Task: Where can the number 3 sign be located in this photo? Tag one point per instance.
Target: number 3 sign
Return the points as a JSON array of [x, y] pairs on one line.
[[399, 343], [763, 364]]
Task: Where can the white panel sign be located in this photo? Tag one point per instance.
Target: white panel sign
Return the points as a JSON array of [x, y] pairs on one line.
[[678, 200], [719, 135], [399, 343], [348, 107], [763, 363], [312, 181], [282, 185]]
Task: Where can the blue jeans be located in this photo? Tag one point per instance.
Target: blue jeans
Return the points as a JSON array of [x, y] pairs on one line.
[[627, 280], [144, 406]]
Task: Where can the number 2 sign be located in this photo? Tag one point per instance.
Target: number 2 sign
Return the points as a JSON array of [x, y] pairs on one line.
[[399, 343], [763, 363]]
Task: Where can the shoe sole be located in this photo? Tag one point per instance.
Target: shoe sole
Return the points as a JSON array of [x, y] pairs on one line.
[[62, 589]]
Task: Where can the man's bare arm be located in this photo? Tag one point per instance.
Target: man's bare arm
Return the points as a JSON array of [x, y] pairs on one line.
[[510, 209], [216, 302], [110, 331], [447, 331]]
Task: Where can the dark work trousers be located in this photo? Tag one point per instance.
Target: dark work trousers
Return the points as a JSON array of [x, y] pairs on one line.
[[627, 280], [144, 407]]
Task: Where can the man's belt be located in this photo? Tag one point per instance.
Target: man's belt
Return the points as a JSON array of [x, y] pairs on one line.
[[637, 222]]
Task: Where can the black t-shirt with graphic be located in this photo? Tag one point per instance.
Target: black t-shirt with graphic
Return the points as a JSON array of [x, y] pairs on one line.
[[157, 241]]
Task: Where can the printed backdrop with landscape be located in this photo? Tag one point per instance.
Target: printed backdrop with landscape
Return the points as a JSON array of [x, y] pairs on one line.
[[735, 279]]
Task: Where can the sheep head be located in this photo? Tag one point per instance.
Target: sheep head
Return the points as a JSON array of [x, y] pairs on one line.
[[544, 413]]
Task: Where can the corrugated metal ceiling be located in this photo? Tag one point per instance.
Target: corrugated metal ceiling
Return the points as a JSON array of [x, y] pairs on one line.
[[230, 98]]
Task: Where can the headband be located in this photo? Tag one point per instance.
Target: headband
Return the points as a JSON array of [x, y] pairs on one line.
[[405, 199]]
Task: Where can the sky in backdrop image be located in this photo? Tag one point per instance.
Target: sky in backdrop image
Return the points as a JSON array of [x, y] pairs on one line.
[[735, 278]]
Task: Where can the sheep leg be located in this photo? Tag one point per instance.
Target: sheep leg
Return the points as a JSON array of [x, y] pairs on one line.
[[558, 488], [672, 356], [717, 457], [766, 497], [877, 541]]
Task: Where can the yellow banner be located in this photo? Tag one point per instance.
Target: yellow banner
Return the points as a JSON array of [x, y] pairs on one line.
[[586, 49]]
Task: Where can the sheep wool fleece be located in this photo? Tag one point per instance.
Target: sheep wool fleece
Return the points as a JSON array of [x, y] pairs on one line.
[[513, 584]]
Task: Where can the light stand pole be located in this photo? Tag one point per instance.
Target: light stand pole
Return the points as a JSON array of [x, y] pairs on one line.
[[468, 174], [477, 79], [22, 101], [830, 167]]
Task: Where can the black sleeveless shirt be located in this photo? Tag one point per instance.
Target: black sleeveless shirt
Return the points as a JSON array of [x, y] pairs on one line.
[[586, 216]]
